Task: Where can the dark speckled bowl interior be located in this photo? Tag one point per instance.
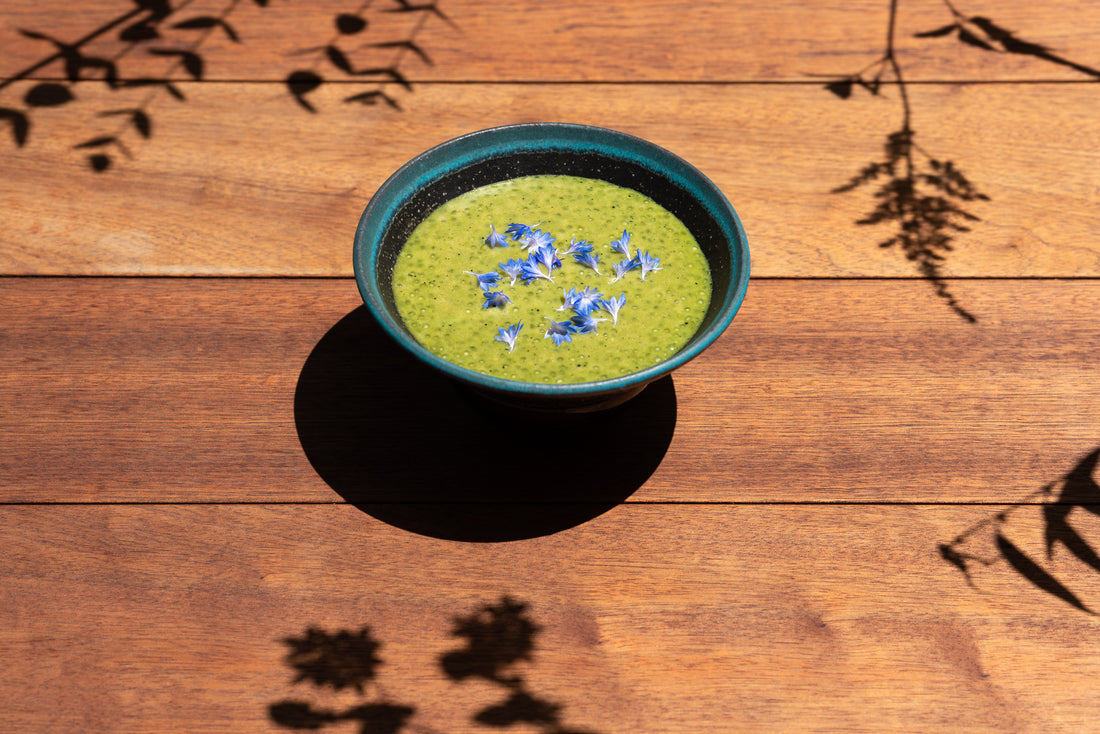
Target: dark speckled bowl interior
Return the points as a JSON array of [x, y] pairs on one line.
[[497, 154]]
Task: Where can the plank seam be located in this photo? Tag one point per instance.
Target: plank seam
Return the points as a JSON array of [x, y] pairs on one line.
[[236, 276], [584, 82], [637, 503]]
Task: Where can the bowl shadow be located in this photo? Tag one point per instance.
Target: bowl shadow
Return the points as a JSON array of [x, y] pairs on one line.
[[416, 450]]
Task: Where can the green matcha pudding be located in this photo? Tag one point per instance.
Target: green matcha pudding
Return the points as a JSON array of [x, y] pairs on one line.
[[552, 279]]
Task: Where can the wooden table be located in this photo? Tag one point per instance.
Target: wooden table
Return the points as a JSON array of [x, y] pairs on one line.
[[231, 505]]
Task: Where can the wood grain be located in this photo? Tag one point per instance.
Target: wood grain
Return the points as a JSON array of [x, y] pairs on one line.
[[590, 40], [240, 180], [650, 618], [855, 512], [195, 390]]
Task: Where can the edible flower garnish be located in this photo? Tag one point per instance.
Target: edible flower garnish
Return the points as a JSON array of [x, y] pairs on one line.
[[585, 323], [547, 255], [485, 280], [577, 247], [612, 306], [589, 259], [495, 298], [568, 299], [559, 331], [622, 245], [537, 239], [541, 261], [587, 300], [495, 239], [623, 267], [530, 271], [518, 231], [512, 268], [648, 263], [508, 336]]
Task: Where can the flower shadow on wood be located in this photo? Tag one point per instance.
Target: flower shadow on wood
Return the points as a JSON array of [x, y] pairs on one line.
[[410, 447], [339, 660], [1079, 491], [161, 29], [498, 636]]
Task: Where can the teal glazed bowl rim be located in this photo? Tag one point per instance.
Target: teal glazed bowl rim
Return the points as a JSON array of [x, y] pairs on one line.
[[486, 156]]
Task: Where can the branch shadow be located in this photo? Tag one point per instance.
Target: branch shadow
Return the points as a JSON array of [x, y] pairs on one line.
[[152, 29], [416, 450], [983, 33], [923, 196], [1079, 491]]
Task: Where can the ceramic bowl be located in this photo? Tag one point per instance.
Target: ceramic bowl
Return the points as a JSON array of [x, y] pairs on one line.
[[488, 156]]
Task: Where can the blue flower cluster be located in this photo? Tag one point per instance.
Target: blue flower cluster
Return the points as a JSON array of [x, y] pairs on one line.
[[543, 258], [646, 262]]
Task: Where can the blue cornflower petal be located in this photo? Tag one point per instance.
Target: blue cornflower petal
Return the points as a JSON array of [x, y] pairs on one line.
[[512, 268], [587, 300], [568, 299], [508, 336], [495, 239], [589, 259], [585, 323], [536, 239], [577, 247], [485, 280], [648, 263], [612, 306], [495, 298], [624, 266], [559, 331], [518, 231], [547, 255], [622, 245], [531, 272]]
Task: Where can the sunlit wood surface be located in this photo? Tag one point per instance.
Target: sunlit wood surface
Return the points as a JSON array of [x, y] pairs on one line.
[[652, 618], [215, 191], [857, 512], [155, 390]]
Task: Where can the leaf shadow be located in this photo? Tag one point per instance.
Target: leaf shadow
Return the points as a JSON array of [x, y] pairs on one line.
[[414, 449], [983, 33], [922, 196], [1079, 492], [163, 30]]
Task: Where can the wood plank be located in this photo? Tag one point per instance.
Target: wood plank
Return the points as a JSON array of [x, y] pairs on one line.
[[498, 40], [649, 618], [207, 390], [240, 180]]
